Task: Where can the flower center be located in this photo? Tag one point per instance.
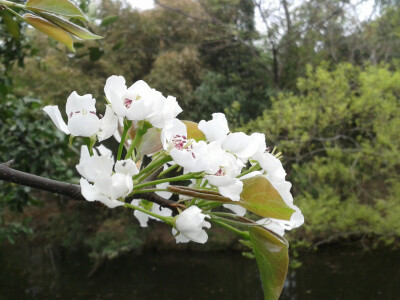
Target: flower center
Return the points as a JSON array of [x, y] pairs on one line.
[[179, 142], [128, 102], [80, 112], [220, 172]]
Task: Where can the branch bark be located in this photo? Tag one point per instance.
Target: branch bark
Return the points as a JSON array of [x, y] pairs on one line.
[[72, 191]]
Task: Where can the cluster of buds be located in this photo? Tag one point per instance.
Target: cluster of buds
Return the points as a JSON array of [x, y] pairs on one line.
[[203, 173]]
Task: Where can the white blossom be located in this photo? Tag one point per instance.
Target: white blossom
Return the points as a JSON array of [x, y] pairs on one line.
[[140, 102], [190, 225], [82, 118], [216, 128], [191, 155], [275, 173], [108, 187]]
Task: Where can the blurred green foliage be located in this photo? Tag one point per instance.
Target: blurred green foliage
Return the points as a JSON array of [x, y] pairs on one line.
[[341, 144]]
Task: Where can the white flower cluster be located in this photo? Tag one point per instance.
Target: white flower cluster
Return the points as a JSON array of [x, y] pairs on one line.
[[219, 159]]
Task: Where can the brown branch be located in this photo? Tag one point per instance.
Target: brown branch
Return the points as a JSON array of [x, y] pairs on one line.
[[72, 191]]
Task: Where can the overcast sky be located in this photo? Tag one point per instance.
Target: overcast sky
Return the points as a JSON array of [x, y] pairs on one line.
[[363, 12]]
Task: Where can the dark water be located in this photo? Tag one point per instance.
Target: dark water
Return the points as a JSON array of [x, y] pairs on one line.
[[329, 274]]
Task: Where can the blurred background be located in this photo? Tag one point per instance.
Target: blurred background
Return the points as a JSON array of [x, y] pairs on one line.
[[321, 79]]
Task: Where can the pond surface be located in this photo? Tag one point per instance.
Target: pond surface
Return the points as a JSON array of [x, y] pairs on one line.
[[328, 274]]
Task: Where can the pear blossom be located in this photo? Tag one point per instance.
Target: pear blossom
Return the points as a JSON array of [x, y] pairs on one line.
[[244, 146], [275, 173], [190, 225], [108, 186], [238, 143], [216, 128], [82, 118], [225, 177], [140, 102], [191, 155]]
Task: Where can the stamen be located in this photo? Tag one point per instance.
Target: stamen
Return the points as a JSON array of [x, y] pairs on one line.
[[127, 102]]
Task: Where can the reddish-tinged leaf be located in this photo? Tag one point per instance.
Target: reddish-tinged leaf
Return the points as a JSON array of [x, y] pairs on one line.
[[59, 7], [50, 29], [193, 131], [272, 257], [261, 198]]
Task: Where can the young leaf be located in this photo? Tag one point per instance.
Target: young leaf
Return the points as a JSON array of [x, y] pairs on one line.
[[11, 24], [193, 131], [272, 257], [50, 29], [59, 7], [261, 198], [76, 30], [109, 20]]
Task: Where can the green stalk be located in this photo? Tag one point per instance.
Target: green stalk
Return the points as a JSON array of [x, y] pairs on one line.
[[172, 179], [168, 170], [149, 191], [167, 220], [256, 167], [140, 132], [243, 234], [151, 167], [123, 137]]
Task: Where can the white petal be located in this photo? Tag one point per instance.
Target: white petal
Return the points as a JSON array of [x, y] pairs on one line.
[[111, 203], [108, 125], [180, 238], [168, 110], [165, 195], [88, 191], [237, 209], [163, 211], [233, 191], [104, 151], [215, 129], [54, 113], [142, 218], [84, 125], [127, 167], [120, 186], [243, 145], [114, 89], [80, 104]]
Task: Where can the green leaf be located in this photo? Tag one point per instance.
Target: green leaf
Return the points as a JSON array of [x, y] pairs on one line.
[[108, 20], [272, 257], [76, 30], [95, 53], [261, 198], [12, 25], [193, 131], [50, 29], [118, 45], [59, 7]]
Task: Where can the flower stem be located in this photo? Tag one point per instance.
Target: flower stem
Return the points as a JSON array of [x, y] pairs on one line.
[[141, 131], [149, 191], [167, 220], [151, 167], [256, 167], [127, 125], [168, 170], [177, 178], [243, 234]]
